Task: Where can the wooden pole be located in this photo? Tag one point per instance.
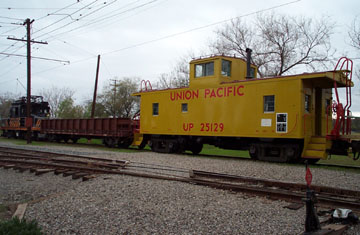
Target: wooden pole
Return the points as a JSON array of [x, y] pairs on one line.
[[95, 89]]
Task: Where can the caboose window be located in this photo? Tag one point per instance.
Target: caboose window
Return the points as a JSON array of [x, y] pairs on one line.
[[269, 103], [155, 109], [226, 68], [328, 107], [307, 103], [205, 69], [184, 107]]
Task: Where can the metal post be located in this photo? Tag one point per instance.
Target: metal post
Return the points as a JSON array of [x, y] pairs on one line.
[[248, 63], [114, 100], [95, 89], [312, 223]]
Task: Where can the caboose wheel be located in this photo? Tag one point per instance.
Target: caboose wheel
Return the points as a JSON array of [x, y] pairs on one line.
[[142, 145], [196, 148], [253, 152]]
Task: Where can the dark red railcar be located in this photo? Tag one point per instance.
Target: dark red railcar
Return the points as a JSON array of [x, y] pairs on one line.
[[113, 131]]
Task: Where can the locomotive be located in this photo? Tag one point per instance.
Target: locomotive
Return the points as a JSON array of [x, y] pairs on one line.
[[279, 119], [15, 126]]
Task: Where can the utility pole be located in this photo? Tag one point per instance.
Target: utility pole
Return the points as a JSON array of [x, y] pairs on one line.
[[28, 40], [114, 100], [95, 89]]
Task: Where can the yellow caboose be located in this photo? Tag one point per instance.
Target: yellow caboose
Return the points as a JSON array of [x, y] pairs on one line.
[[281, 119]]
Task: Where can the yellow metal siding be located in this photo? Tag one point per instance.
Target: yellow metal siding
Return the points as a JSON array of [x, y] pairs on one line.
[[234, 109]]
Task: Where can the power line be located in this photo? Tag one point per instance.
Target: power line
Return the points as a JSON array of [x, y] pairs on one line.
[[10, 18], [108, 17], [11, 69], [116, 20], [36, 8], [175, 34], [35, 57], [63, 19], [63, 8], [201, 27]]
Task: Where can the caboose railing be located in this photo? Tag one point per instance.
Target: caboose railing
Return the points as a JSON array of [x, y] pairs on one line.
[[343, 113]]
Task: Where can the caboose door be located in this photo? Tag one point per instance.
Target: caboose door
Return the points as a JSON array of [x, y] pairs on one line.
[[318, 111]]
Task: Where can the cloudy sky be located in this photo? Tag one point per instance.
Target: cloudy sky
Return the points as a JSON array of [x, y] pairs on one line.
[[141, 38]]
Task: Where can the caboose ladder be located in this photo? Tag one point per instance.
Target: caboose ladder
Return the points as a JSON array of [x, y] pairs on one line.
[[316, 148]]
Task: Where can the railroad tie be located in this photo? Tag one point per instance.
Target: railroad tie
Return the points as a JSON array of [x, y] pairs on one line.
[[79, 175], [42, 171], [68, 173]]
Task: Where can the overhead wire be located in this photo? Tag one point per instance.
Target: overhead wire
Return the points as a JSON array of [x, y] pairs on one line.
[[63, 8], [66, 7], [175, 34], [169, 36], [35, 8], [93, 54], [200, 27], [35, 57], [11, 18], [11, 69], [106, 24], [107, 17], [63, 19]]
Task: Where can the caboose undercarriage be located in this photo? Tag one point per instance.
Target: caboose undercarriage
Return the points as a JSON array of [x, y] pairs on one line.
[[263, 149]]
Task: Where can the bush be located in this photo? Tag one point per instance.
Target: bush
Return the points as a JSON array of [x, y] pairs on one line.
[[16, 226]]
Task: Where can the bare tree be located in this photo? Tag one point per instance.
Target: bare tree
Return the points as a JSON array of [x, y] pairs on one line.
[[280, 43], [5, 103], [116, 99], [354, 34], [179, 75], [55, 96]]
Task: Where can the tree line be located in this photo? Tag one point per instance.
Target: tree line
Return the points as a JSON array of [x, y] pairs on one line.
[[281, 45]]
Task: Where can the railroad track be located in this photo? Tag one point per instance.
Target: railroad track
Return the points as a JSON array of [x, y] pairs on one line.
[[89, 167], [354, 168]]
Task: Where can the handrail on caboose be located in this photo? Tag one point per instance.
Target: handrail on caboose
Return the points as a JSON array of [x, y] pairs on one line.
[[343, 113], [146, 83]]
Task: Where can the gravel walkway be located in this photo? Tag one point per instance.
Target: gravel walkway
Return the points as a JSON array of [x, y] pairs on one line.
[[130, 205]]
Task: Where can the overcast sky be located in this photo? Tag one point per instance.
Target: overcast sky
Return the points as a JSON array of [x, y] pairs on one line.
[[136, 38]]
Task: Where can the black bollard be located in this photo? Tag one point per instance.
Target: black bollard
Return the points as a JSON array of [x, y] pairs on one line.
[[312, 223]]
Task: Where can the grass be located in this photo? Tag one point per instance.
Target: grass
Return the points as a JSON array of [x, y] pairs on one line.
[[341, 160], [3, 208], [212, 150], [16, 226]]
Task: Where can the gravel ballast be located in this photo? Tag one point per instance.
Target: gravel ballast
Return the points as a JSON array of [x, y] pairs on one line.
[[115, 204]]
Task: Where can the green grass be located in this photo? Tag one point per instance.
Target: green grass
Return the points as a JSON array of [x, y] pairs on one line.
[[3, 208], [16, 226], [212, 150], [341, 160]]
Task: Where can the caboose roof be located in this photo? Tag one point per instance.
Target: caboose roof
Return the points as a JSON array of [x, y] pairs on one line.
[[320, 79]]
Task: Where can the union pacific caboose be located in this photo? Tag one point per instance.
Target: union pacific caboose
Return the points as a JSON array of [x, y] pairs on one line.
[[283, 119]]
